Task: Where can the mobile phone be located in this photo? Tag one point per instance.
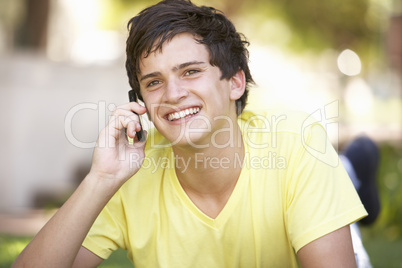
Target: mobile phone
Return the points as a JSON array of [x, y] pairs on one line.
[[132, 96]]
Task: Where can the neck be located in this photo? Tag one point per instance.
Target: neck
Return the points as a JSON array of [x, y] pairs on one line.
[[212, 170]]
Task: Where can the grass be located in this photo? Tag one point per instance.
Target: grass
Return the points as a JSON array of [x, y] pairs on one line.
[[383, 252], [11, 246], [117, 259]]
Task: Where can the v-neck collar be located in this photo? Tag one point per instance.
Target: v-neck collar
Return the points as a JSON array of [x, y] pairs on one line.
[[230, 204]]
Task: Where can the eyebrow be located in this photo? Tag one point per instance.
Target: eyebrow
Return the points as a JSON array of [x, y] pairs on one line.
[[175, 68], [149, 75], [186, 64]]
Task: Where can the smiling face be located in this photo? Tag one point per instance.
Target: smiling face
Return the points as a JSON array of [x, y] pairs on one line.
[[185, 97]]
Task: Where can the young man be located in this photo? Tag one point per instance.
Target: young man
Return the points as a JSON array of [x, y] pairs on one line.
[[213, 186]]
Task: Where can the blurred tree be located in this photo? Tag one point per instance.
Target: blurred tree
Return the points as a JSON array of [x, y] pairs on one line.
[[32, 32], [312, 24], [334, 23], [394, 43], [10, 17]]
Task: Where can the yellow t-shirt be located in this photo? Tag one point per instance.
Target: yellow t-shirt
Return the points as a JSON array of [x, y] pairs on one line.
[[291, 190]]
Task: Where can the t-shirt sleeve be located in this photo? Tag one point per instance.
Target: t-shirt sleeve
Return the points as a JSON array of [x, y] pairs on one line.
[[107, 234], [319, 194]]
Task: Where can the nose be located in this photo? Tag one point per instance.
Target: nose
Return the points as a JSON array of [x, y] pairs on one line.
[[175, 92]]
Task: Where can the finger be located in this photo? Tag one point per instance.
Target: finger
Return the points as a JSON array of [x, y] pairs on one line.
[[135, 143], [132, 128], [122, 118], [125, 117], [118, 123], [128, 108]]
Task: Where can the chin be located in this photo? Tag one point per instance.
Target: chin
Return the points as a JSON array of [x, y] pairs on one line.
[[193, 141]]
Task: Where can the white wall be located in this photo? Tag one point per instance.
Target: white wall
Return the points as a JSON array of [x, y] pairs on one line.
[[36, 95]]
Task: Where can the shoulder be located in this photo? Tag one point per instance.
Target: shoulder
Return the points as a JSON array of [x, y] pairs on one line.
[[281, 126], [278, 120], [289, 133]]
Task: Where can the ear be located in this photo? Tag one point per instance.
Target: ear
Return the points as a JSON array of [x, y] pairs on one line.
[[238, 85]]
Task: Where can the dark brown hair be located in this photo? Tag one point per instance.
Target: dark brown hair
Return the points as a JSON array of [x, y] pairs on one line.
[[159, 23]]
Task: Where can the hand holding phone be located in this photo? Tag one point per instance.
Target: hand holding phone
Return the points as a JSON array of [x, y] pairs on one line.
[[133, 98]]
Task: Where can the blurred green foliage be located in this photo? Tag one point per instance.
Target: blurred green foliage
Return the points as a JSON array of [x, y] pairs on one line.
[[309, 25], [389, 223], [382, 252], [321, 24], [10, 247], [117, 259]]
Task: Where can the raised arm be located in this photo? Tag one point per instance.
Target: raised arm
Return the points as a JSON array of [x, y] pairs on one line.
[[59, 241]]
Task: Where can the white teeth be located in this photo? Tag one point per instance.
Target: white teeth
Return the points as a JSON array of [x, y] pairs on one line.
[[182, 114]]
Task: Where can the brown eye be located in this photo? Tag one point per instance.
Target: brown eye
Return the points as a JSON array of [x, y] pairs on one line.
[[153, 83], [190, 72]]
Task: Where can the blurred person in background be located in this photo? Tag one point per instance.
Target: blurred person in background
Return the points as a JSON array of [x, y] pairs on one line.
[[361, 159]]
